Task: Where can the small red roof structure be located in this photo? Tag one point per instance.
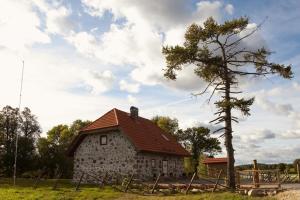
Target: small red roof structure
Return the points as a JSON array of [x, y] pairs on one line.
[[215, 160], [143, 133]]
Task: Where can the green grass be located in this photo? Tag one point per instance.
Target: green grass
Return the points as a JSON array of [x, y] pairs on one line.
[[24, 190]]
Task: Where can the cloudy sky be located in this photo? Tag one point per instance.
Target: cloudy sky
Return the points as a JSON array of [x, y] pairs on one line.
[[84, 57]]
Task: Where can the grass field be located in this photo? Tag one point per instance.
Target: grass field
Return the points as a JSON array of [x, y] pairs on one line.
[[24, 190]]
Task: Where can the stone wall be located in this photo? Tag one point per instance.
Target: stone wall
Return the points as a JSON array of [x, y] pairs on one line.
[[145, 169], [117, 156]]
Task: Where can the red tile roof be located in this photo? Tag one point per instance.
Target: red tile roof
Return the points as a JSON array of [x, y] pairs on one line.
[[214, 160], [143, 133]]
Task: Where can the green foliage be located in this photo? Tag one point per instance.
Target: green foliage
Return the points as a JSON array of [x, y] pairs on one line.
[[28, 129], [220, 57], [167, 124], [214, 50], [202, 168], [296, 161], [188, 165], [281, 166], [198, 141], [52, 149]]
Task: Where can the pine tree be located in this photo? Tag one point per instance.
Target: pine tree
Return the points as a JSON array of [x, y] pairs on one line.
[[221, 58]]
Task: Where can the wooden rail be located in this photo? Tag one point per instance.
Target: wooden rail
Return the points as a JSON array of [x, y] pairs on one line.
[[128, 184], [191, 182], [155, 184]]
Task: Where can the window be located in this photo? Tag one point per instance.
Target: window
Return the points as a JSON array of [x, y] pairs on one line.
[[103, 140], [165, 167], [153, 163]]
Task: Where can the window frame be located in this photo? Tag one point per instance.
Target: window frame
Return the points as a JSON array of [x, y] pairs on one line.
[[101, 137], [153, 163]]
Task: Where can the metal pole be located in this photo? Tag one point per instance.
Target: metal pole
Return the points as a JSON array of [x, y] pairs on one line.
[[17, 134]]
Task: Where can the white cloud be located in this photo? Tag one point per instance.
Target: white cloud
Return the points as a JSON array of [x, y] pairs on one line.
[[132, 100], [84, 43], [99, 81], [207, 9], [57, 16], [58, 22], [229, 9], [19, 26], [129, 87], [291, 134], [49, 77], [282, 109], [257, 136], [148, 26]]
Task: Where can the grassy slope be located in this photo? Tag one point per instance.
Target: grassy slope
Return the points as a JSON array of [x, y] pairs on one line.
[[24, 190]]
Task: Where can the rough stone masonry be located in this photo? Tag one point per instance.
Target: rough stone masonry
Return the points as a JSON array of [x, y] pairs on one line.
[[117, 155]]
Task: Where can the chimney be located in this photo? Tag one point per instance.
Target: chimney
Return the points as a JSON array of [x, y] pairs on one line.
[[134, 112]]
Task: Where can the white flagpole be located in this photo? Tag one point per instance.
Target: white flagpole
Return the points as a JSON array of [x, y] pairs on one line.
[[17, 133]]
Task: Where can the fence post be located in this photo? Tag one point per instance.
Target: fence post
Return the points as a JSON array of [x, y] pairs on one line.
[[78, 184], [298, 171], [219, 176], [238, 179], [255, 174], [278, 178], [129, 182], [191, 182], [155, 184]]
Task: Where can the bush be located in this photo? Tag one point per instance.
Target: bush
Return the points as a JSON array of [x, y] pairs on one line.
[[30, 174]]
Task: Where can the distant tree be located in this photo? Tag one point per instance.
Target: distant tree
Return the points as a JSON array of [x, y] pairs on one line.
[[28, 129], [198, 141], [52, 149], [219, 53], [202, 168], [169, 125], [296, 161], [282, 167]]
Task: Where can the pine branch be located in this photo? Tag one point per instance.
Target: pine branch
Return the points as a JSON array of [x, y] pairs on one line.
[[211, 82], [218, 118], [213, 92], [223, 128]]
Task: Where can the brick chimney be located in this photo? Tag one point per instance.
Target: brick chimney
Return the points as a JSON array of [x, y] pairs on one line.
[[134, 112]]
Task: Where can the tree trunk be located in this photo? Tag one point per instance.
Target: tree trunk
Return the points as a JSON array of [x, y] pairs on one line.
[[196, 164], [228, 138]]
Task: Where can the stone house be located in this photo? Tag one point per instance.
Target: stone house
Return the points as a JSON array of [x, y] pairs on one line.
[[125, 143], [214, 165]]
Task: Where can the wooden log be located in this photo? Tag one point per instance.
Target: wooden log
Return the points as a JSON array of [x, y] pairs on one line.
[[191, 182], [79, 182], [128, 184], [219, 175], [214, 183], [255, 174], [155, 184]]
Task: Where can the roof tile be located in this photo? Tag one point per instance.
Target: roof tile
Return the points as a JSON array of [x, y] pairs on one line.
[[143, 133]]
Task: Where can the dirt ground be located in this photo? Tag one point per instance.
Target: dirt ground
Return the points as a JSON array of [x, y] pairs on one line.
[[289, 195]]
